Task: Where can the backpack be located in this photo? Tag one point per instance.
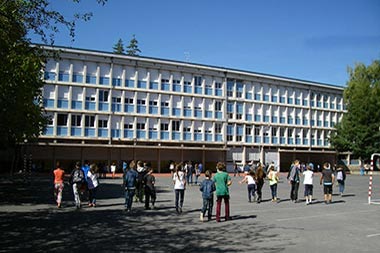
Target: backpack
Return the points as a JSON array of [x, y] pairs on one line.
[[77, 177]]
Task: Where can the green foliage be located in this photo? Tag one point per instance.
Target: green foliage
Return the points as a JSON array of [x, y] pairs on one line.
[[132, 48], [118, 48], [21, 112], [359, 129]]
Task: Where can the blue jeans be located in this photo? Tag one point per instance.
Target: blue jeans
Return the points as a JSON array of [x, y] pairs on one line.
[[251, 191], [179, 196], [208, 205], [189, 178], [273, 189], [341, 186], [129, 193]]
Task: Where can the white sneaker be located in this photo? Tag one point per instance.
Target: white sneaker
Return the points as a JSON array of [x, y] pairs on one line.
[[201, 217]]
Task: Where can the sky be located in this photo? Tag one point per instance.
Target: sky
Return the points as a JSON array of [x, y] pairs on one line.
[[309, 40]]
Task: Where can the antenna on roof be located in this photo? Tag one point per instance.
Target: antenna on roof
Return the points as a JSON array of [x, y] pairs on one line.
[[187, 56]]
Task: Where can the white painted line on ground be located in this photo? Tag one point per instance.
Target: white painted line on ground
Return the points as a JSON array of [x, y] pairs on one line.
[[324, 215], [373, 235]]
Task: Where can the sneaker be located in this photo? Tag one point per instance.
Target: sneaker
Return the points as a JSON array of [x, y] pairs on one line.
[[201, 217], [180, 209], [177, 210]]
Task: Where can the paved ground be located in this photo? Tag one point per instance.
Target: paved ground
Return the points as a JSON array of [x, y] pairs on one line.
[[29, 221]]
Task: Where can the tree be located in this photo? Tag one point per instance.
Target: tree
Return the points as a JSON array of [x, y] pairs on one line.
[[118, 48], [21, 112], [133, 48], [359, 129]]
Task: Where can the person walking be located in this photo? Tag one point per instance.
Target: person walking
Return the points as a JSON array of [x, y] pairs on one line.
[[308, 184], [179, 182], [260, 175], [249, 179], [113, 169], [93, 183], [273, 181], [141, 170], [59, 175], [222, 182], [327, 178], [207, 188], [150, 191], [236, 170], [341, 178], [77, 180], [294, 180], [130, 185], [197, 173]]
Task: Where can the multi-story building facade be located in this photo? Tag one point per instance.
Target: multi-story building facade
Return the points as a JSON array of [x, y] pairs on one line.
[[107, 107]]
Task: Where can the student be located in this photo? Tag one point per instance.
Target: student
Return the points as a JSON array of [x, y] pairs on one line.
[[93, 183], [273, 180], [294, 180], [207, 188], [113, 169], [222, 182], [77, 180], [59, 175], [308, 184], [130, 185], [260, 175], [327, 178], [179, 182], [251, 185], [141, 170], [150, 191], [197, 173], [340, 177], [236, 170]]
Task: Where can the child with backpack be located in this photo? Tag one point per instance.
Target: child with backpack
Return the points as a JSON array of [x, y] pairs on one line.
[[77, 180], [207, 188]]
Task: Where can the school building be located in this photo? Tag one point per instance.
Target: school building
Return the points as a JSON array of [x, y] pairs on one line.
[[107, 107]]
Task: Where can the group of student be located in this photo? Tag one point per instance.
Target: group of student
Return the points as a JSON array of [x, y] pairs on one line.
[[254, 179], [82, 179], [139, 183]]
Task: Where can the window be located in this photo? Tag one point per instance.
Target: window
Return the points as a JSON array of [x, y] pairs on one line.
[[103, 96], [140, 126], [102, 123], [218, 105], [90, 121], [129, 101], [62, 120], [153, 103], [164, 127], [218, 128], [128, 126], [198, 80], [218, 85], [175, 126], [90, 99], [140, 102], [76, 120], [116, 100]]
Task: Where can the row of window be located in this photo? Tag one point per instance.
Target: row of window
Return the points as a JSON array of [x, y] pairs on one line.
[[197, 89]]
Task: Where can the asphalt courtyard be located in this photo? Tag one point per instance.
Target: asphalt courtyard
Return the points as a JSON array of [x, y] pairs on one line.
[[30, 221]]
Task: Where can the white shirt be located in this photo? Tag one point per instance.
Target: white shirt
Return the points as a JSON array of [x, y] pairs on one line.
[[339, 175], [92, 180], [179, 181], [250, 179], [308, 177], [113, 168]]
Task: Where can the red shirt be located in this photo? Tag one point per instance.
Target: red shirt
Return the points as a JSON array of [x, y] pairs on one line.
[[59, 174]]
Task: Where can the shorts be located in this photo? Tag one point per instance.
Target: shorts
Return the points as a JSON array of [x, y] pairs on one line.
[[308, 190], [327, 189]]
